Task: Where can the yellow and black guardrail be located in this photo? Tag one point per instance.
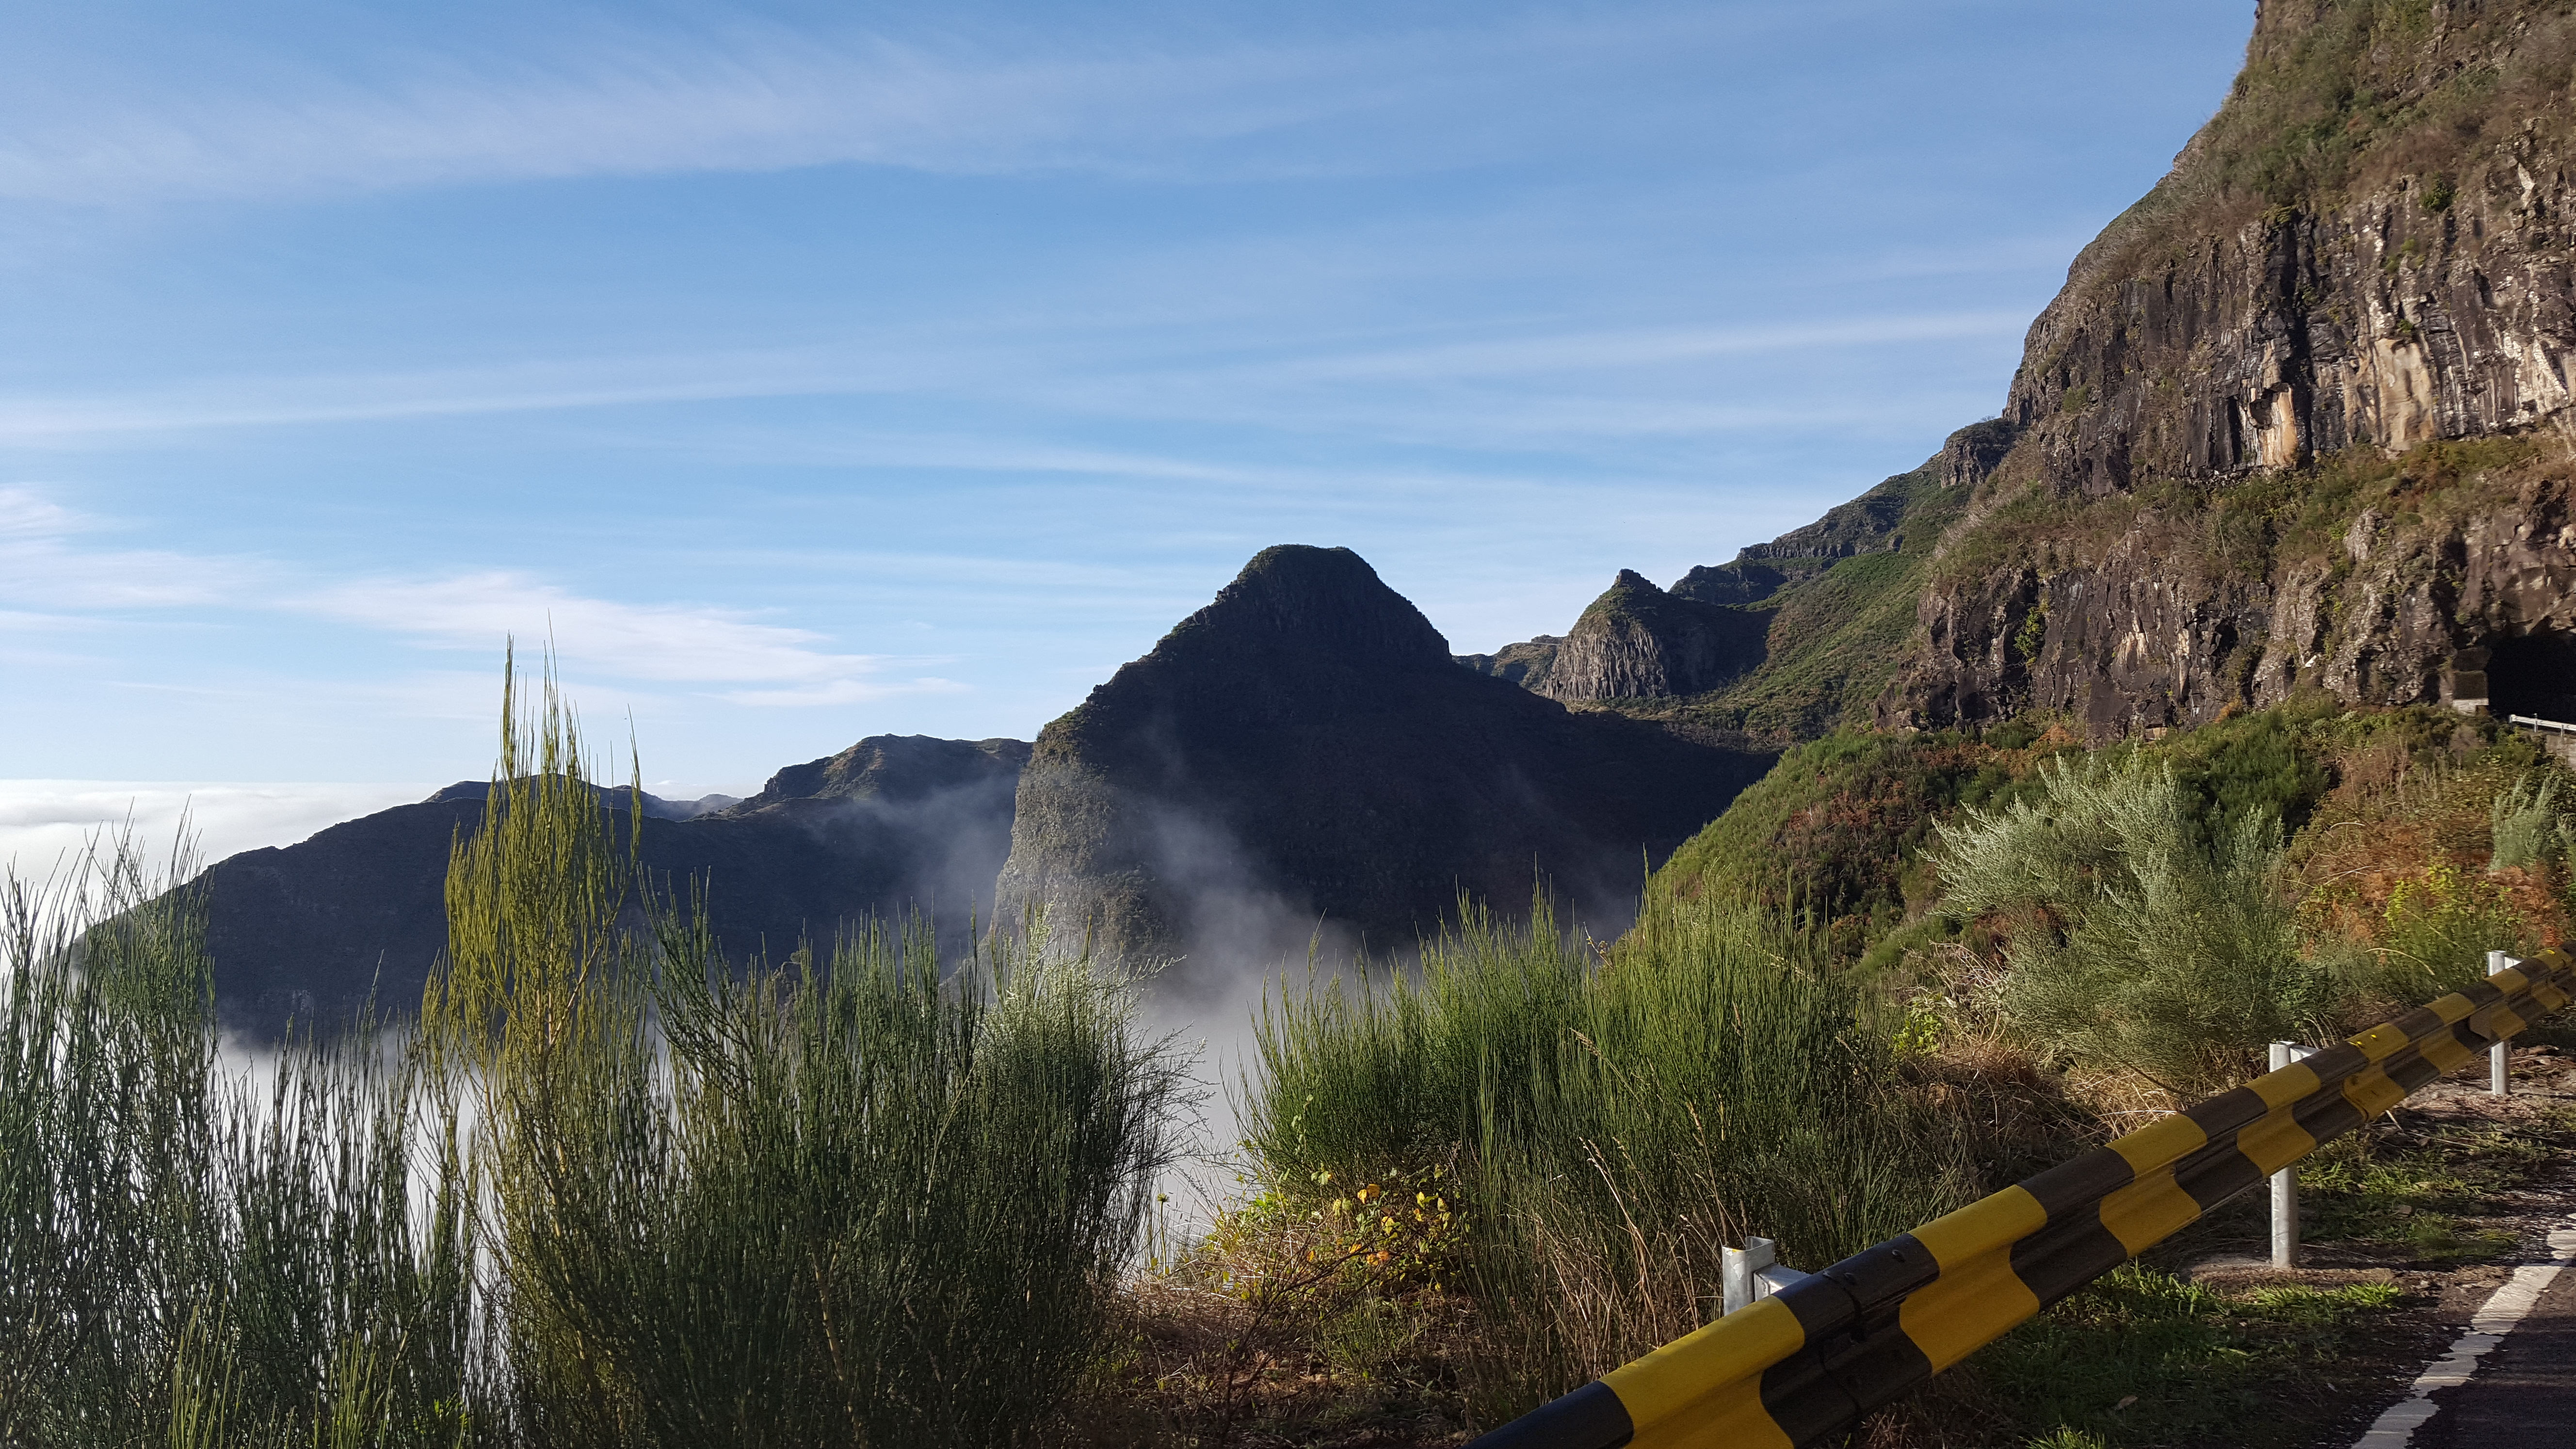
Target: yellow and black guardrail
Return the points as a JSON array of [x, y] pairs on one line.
[[1797, 1366]]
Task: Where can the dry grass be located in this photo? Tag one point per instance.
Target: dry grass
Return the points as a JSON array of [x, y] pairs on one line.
[[1269, 1333]]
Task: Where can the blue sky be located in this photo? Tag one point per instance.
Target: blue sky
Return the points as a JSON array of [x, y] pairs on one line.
[[821, 371]]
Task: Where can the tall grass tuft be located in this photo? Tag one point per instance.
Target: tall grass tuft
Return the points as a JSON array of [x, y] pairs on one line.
[[2134, 939], [1615, 1124], [110, 1227], [2529, 827], [181, 1258], [843, 1203], [613, 1189]]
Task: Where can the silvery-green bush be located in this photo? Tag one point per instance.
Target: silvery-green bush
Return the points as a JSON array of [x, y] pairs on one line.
[[2138, 934]]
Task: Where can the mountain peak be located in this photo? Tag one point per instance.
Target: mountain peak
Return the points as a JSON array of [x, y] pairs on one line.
[[1298, 595]]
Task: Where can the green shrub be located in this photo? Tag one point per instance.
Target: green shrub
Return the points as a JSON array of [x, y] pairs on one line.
[[1834, 831], [789, 1206], [2274, 760], [613, 1190], [184, 1260], [1616, 1124], [2437, 929], [2530, 827], [2133, 941]]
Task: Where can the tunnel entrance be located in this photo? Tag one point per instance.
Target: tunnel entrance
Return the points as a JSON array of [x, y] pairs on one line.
[[2533, 675]]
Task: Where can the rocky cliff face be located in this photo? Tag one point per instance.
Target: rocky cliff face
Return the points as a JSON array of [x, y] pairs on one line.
[[893, 823], [1306, 752], [1527, 664], [1638, 642], [2241, 467]]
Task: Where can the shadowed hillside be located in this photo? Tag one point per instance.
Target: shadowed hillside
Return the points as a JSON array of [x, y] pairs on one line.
[[891, 824], [1305, 749]]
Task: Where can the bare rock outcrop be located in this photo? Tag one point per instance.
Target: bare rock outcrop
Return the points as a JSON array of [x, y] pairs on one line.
[[1527, 663], [1638, 642], [2302, 417]]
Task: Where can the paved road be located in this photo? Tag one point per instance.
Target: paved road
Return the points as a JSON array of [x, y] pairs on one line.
[[2525, 1390]]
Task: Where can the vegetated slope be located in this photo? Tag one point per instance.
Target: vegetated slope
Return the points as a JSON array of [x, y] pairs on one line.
[[1786, 640], [1305, 749], [1834, 834], [308, 931], [2389, 818]]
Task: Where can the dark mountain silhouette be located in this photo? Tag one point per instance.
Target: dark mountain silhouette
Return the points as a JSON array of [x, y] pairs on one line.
[[307, 931], [1305, 749]]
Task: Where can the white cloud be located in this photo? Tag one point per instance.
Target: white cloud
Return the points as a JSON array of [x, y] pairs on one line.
[[41, 566], [42, 563], [26, 513], [46, 822], [623, 103], [666, 642]]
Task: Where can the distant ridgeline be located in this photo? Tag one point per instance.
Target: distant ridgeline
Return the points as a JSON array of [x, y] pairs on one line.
[[308, 931], [1305, 755], [1782, 642]]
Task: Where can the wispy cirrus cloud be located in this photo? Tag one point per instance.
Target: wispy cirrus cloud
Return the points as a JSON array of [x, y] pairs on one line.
[[46, 562], [1655, 347], [46, 565], [671, 643], [596, 98], [620, 105], [1329, 381]]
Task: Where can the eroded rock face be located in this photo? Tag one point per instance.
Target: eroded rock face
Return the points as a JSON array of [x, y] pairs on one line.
[[2206, 341], [1304, 752], [1638, 642], [2384, 322]]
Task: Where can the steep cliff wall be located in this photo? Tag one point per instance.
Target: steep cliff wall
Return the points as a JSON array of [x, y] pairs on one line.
[[2240, 466]]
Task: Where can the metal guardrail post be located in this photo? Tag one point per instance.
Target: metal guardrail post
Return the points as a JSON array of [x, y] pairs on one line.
[[2285, 1183], [1753, 1273], [2499, 1055], [1741, 1264]]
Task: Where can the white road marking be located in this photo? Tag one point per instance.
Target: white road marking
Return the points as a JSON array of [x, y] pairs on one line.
[[2502, 1310]]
